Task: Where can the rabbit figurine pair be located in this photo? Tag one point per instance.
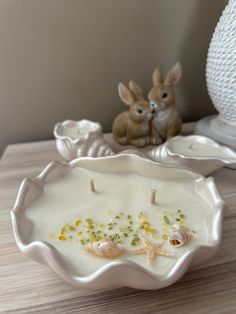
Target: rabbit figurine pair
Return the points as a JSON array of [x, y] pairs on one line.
[[151, 121]]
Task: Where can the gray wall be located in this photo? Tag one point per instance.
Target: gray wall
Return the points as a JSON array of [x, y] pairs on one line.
[[62, 59]]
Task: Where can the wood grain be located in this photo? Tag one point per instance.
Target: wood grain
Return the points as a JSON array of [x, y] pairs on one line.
[[27, 287]]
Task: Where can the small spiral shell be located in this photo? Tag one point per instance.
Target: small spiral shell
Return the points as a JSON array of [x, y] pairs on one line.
[[104, 248], [82, 138], [95, 147], [179, 236]]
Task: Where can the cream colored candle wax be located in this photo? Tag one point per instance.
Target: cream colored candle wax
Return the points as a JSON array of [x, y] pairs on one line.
[[68, 212], [193, 148]]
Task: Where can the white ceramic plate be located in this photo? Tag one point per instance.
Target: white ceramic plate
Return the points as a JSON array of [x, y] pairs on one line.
[[122, 271]]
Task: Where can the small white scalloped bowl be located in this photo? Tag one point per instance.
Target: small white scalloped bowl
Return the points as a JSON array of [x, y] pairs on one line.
[[82, 138], [202, 164], [119, 272]]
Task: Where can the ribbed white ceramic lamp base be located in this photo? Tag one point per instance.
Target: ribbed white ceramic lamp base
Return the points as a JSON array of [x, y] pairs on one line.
[[221, 80], [218, 129]]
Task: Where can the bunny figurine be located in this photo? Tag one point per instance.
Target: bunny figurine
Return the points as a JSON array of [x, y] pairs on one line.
[[166, 121], [133, 126]]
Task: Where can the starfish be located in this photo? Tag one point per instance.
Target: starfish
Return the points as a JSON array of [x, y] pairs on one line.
[[151, 249]]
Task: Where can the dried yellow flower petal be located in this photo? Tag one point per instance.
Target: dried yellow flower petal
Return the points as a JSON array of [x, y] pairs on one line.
[[63, 230], [141, 215], [165, 237], [78, 222], [71, 228], [62, 238], [90, 227], [154, 233], [166, 220]]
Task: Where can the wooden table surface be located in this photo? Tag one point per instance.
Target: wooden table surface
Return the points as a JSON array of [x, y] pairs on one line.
[[27, 287]]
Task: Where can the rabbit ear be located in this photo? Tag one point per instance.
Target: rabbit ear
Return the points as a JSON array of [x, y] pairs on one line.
[[125, 94], [156, 77], [173, 75], [136, 89]]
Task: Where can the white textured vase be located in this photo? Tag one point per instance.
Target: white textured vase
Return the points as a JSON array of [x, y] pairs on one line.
[[221, 80]]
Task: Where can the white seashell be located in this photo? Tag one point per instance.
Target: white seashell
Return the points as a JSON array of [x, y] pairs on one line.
[[179, 236], [157, 154], [203, 164], [82, 138], [104, 248], [96, 147], [178, 227]]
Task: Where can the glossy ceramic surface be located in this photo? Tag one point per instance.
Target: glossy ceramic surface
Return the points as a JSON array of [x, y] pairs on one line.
[[116, 272]]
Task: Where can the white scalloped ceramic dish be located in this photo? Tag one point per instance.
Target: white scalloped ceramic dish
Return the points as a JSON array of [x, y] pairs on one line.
[[82, 138], [122, 271], [202, 164]]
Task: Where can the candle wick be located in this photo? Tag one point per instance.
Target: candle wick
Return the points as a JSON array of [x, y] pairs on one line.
[[92, 186], [153, 196], [191, 146]]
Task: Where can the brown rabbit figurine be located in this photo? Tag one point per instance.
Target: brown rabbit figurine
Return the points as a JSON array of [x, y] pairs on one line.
[[166, 121], [133, 126]]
